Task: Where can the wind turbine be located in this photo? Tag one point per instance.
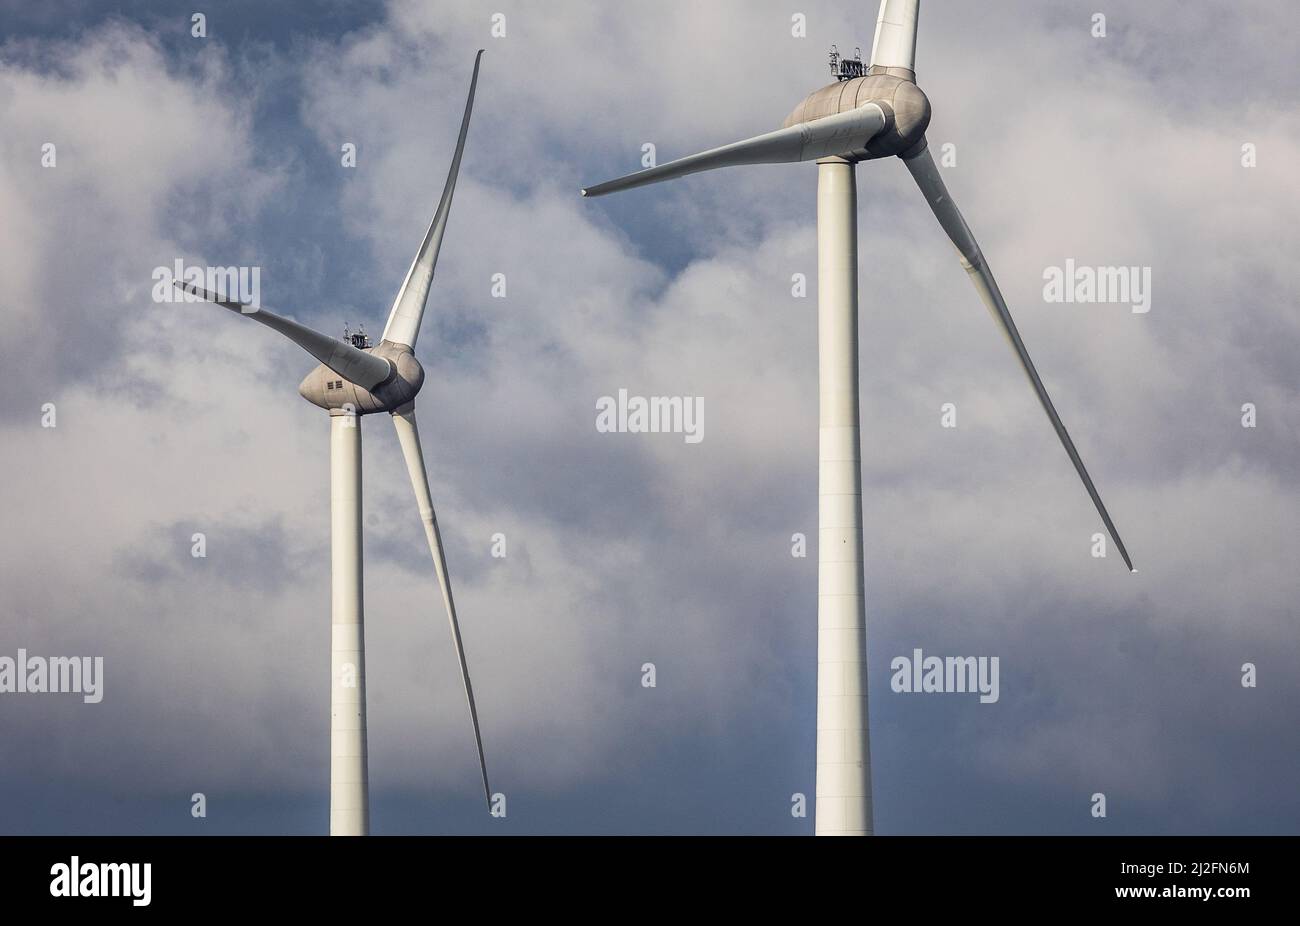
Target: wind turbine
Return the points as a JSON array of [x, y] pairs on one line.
[[868, 113], [355, 380]]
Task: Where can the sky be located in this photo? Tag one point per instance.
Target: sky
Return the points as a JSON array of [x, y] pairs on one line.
[[1123, 150]]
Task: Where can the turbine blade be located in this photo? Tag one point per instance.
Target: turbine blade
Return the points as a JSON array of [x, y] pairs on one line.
[[945, 210], [895, 42], [353, 364], [408, 308], [836, 134], [409, 437]]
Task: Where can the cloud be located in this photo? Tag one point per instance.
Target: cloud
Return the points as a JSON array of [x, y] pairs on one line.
[[137, 146]]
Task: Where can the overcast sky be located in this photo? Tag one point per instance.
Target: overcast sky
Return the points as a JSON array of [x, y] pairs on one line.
[[626, 549]]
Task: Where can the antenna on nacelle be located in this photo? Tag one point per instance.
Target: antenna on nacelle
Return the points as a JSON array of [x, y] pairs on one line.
[[358, 339], [846, 68]]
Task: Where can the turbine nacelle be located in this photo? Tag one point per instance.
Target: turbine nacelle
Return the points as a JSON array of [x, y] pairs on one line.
[[327, 389], [874, 116], [906, 109]]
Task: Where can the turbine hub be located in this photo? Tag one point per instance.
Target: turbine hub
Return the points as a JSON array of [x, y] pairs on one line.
[[906, 108], [328, 390]]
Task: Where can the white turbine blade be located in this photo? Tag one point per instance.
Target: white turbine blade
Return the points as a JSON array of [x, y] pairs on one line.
[[895, 42], [409, 437], [408, 308], [354, 365], [945, 210], [837, 134]]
